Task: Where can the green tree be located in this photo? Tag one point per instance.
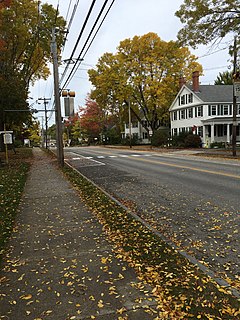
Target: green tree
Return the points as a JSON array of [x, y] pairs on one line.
[[224, 78], [144, 72], [25, 30], [208, 20], [52, 131]]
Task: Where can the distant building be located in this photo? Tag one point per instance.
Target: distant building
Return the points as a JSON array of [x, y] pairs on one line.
[[138, 132], [206, 110]]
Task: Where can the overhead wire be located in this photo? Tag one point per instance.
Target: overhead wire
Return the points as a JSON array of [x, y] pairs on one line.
[[79, 59], [77, 63], [78, 40], [70, 21]]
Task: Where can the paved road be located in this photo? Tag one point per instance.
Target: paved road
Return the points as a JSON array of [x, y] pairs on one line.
[[191, 200]]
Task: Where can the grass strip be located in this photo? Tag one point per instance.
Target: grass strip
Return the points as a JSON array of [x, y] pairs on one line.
[[12, 181], [181, 289]]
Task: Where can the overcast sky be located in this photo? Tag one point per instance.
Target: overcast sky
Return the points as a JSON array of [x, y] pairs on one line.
[[126, 19]]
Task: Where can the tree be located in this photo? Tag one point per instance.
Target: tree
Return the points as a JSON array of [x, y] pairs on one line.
[[34, 133], [208, 20], [72, 129], [144, 72], [91, 119], [25, 30], [224, 78]]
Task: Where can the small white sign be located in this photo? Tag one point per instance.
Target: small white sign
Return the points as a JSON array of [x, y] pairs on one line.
[[7, 138]]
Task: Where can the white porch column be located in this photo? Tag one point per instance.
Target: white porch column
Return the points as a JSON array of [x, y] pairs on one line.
[[212, 133], [204, 135], [228, 133]]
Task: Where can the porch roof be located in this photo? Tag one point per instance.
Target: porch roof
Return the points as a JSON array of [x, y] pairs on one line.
[[220, 120]]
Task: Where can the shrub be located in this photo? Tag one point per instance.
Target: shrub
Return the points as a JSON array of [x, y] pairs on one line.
[[217, 145], [160, 138], [179, 140], [186, 140], [192, 141]]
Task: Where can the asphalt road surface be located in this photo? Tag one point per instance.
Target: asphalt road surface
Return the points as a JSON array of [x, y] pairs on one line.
[[191, 200]]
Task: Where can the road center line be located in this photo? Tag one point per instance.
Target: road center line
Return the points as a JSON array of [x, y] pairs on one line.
[[186, 167]]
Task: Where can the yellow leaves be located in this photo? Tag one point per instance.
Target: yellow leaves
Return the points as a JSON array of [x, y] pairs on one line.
[[92, 298], [84, 269], [26, 297], [21, 278], [122, 310], [100, 304], [104, 260], [231, 311]]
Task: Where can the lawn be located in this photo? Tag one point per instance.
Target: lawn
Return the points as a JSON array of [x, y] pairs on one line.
[[12, 181]]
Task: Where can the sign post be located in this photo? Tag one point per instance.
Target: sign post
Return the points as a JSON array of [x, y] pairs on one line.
[[7, 139]]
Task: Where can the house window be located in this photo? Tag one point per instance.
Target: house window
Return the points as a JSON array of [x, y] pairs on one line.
[[200, 131], [213, 110], [183, 114], [199, 111], [175, 115], [190, 113], [190, 98], [225, 110], [175, 131], [145, 135], [230, 109], [183, 99], [238, 109]]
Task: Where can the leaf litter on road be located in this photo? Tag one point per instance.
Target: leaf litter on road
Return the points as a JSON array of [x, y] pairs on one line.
[[181, 289]]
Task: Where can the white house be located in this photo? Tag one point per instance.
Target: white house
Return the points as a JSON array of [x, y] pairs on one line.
[[137, 131], [206, 110]]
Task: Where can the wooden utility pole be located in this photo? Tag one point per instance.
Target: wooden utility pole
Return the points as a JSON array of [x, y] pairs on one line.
[[234, 125], [45, 102], [58, 116]]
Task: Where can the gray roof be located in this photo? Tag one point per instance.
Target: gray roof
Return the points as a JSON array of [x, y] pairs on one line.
[[215, 93]]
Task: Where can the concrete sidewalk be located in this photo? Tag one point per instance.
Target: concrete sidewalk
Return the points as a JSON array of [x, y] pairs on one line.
[[60, 265]]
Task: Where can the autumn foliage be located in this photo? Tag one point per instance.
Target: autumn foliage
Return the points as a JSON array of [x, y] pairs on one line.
[[91, 119]]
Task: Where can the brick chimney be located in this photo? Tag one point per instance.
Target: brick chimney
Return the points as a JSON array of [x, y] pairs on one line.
[[182, 81], [195, 81]]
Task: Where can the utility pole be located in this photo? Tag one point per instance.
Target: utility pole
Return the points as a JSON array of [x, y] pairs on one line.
[[58, 116], [234, 125], [45, 102], [130, 123]]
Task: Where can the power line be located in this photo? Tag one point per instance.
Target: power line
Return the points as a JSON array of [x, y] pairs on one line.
[[79, 60], [68, 9], [71, 19], [99, 28], [79, 37]]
